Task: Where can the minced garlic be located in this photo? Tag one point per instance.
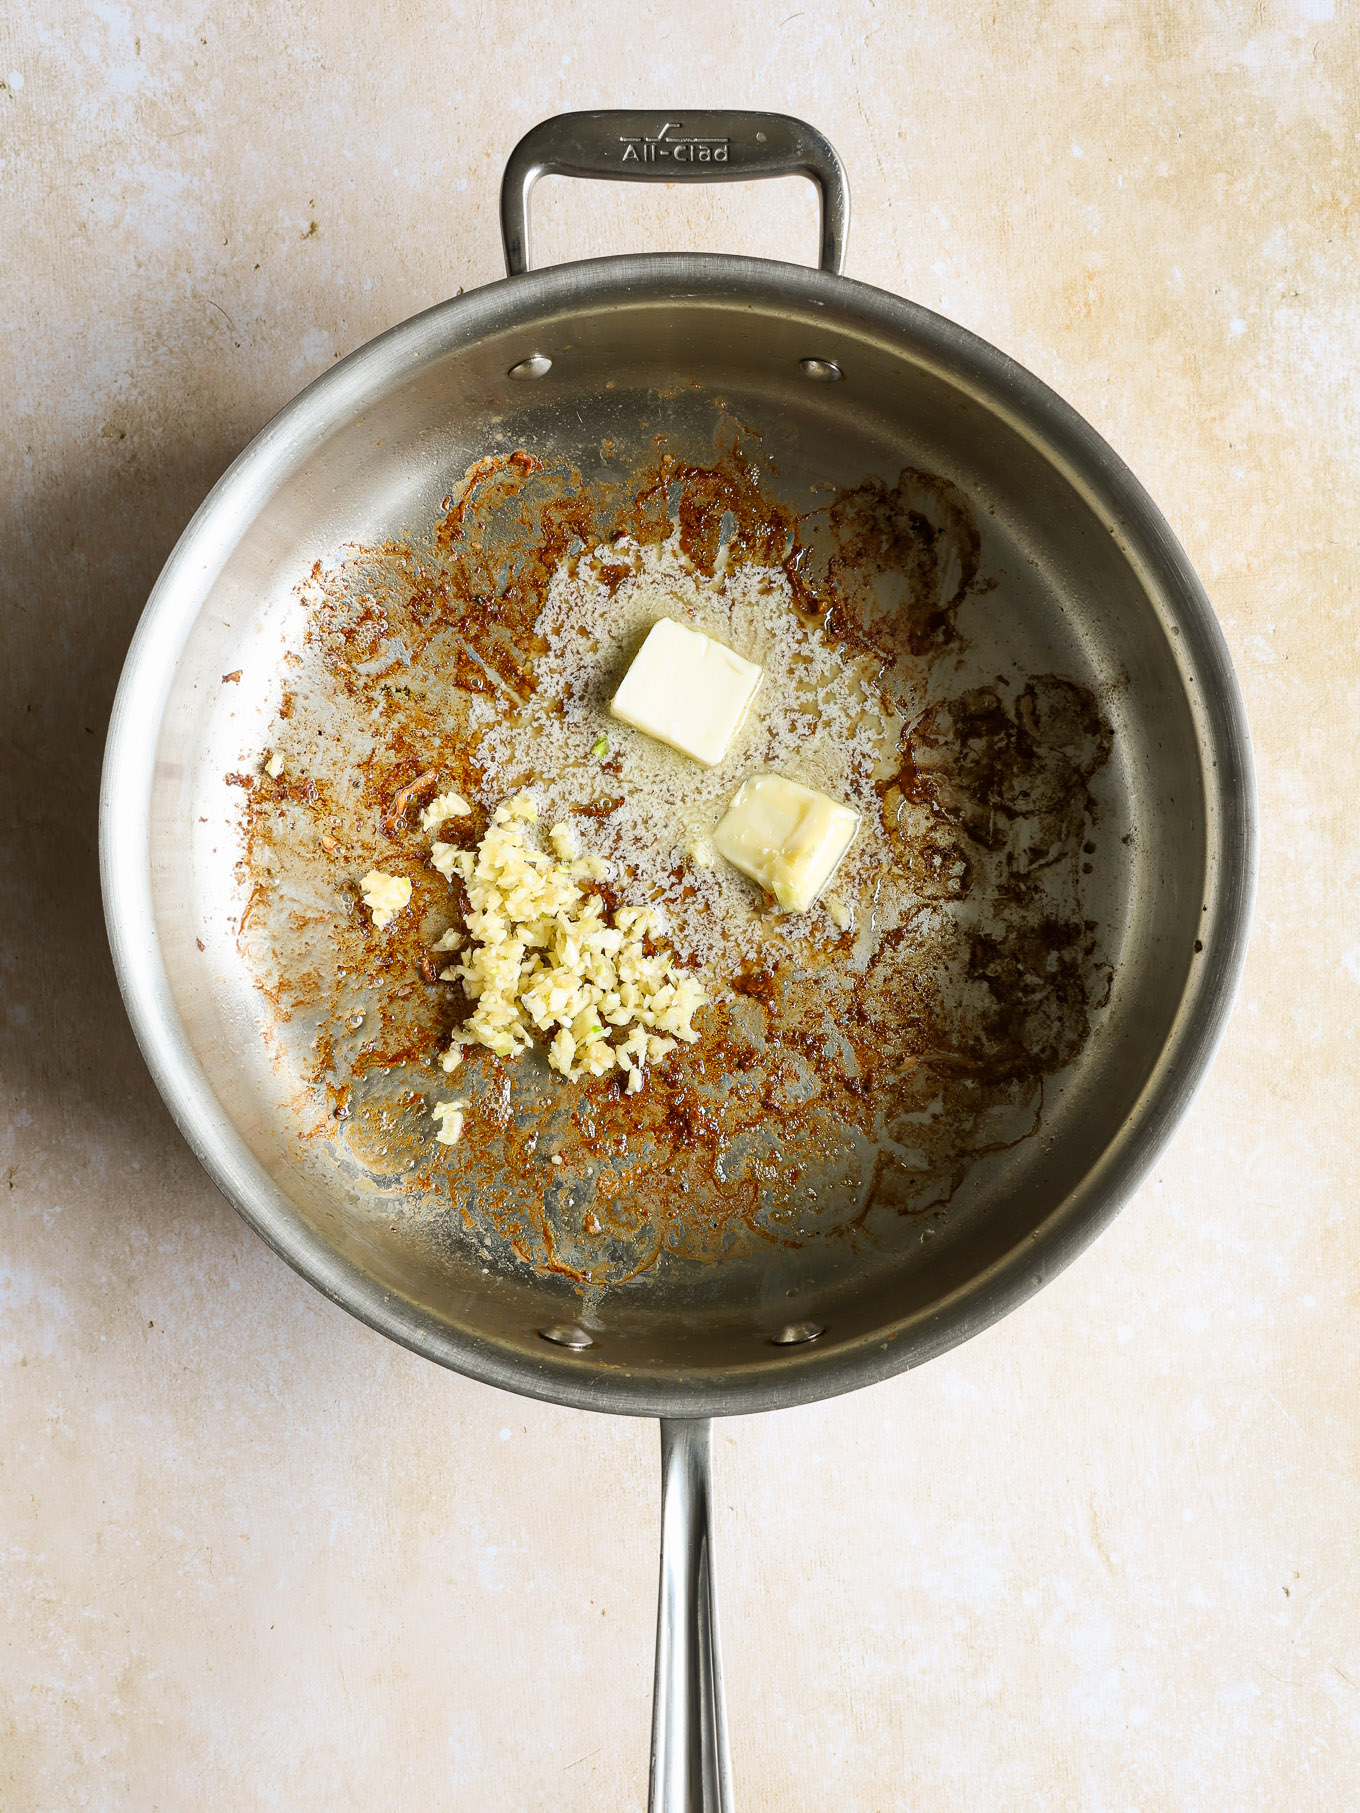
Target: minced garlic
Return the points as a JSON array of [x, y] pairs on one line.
[[544, 958], [443, 806], [449, 1117], [385, 895], [566, 845]]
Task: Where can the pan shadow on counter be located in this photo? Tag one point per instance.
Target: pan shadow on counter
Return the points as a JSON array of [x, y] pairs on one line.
[[76, 565]]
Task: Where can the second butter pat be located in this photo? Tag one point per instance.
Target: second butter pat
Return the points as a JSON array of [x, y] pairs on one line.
[[787, 837], [687, 690]]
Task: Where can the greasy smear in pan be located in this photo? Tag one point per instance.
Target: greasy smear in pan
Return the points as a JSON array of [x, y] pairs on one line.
[[845, 1077]]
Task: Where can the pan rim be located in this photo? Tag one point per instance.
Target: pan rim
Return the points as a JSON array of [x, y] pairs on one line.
[[778, 1377]]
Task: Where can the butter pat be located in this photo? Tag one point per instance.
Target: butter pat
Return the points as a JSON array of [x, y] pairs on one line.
[[687, 690], [786, 837]]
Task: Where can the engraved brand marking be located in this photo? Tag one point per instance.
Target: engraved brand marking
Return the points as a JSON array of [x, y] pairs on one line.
[[688, 148]]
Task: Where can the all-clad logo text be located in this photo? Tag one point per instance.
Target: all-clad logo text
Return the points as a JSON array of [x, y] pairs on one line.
[[686, 148]]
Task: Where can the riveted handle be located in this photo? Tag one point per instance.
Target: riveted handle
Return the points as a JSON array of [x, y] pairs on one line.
[[679, 147]]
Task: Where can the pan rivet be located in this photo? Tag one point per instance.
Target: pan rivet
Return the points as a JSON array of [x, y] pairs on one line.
[[825, 371], [795, 1332], [538, 365], [567, 1334]]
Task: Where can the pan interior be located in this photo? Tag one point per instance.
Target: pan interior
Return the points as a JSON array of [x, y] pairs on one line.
[[1064, 590]]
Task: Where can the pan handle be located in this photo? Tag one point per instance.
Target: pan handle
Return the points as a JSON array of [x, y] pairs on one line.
[[680, 147], [691, 1771]]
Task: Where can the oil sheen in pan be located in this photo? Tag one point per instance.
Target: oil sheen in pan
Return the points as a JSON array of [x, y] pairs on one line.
[[846, 1078]]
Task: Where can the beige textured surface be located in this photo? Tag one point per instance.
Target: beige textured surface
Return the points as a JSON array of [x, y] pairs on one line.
[[1102, 1559]]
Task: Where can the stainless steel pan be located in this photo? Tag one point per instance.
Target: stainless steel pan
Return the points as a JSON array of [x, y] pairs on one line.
[[845, 380]]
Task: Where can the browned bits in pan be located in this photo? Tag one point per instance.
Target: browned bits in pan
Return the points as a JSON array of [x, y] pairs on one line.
[[405, 797], [839, 1079]]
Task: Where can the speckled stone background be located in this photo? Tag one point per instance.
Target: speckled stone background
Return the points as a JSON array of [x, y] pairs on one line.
[[1104, 1558]]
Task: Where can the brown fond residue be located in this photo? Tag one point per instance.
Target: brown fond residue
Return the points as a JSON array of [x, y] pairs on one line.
[[852, 1077]]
